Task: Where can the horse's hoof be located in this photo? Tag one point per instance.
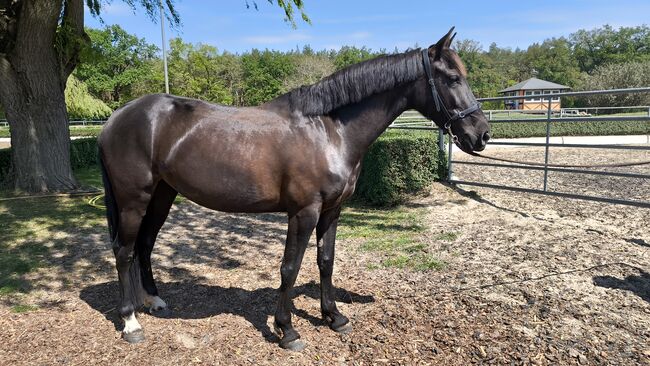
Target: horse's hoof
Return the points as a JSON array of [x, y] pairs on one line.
[[343, 329], [296, 345], [137, 336]]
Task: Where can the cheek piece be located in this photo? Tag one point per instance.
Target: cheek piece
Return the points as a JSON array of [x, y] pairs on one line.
[[440, 104]]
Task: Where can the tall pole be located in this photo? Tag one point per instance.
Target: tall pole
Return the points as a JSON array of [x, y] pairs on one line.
[[164, 49]]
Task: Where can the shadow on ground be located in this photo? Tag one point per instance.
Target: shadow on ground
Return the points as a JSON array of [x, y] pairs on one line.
[[191, 300], [637, 284]]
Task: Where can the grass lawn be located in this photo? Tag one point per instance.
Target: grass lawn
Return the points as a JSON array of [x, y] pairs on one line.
[[396, 235]]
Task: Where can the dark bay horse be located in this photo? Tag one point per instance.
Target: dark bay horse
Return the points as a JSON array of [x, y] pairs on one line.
[[300, 153]]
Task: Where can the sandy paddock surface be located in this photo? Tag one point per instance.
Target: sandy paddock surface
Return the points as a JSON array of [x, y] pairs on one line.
[[528, 280]]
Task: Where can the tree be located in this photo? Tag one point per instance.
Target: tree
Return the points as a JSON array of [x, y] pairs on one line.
[[114, 64], [264, 74], [199, 71], [40, 43], [633, 74], [310, 68], [553, 61], [600, 46], [81, 104], [351, 55]]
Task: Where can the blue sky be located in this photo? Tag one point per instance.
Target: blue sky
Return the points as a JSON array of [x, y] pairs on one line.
[[229, 25]]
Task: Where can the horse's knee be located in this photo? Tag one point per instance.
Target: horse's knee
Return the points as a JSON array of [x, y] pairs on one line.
[[326, 266], [287, 270]]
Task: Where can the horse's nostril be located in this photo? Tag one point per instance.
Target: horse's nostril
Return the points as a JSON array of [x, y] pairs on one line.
[[486, 137]]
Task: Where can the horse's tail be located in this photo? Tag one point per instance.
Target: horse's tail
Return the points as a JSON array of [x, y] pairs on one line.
[[111, 205]]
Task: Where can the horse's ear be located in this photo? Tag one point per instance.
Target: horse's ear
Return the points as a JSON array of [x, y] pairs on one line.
[[444, 42]]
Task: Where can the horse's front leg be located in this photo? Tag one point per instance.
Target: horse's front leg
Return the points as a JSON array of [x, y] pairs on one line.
[[301, 226], [326, 236]]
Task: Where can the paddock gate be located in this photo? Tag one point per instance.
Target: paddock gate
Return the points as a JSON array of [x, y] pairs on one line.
[[550, 118]]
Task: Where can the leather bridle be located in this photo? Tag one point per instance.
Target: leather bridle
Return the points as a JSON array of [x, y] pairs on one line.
[[440, 103]]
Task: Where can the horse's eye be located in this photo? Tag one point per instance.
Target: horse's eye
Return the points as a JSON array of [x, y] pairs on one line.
[[455, 79]]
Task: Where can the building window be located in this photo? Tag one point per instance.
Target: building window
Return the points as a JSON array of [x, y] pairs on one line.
[[556, 99], [534, 92]]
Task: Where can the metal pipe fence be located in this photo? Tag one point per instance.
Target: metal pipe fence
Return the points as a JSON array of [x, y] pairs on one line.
[[73, 123], [549, 119]]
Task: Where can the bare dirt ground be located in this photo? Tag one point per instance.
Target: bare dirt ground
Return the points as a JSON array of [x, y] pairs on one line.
[[528, 280]]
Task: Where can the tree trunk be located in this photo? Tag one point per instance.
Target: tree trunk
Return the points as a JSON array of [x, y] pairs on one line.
[[33, 82]]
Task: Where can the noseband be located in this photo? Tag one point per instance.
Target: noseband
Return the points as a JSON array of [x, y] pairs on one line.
[[440, 104]]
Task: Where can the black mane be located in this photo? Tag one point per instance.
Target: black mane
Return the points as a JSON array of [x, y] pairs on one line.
[[356, 82]]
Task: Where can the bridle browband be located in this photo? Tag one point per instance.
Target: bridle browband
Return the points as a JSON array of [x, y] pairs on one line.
[[440, 104]]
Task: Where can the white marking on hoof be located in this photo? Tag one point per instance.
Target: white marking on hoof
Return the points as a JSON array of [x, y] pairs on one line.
[[131, 324], [154, 303]]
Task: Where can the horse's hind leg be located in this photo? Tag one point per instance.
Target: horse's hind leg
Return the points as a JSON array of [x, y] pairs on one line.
[[157, 211], [128, 266]]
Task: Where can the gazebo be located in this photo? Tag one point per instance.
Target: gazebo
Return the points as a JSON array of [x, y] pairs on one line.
[[532, 87]]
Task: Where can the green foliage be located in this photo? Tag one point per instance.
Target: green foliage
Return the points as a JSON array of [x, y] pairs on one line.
[[5, 166], [606, 45], [83, 153], [398, 164], [116, 65], [538, 129], [199, 71], [348, 56], [151, 7], [264, 73], [310, 68], [81, 104], [631, 74], [553, 61]]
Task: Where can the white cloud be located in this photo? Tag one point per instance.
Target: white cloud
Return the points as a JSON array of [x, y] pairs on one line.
[[360, 35]]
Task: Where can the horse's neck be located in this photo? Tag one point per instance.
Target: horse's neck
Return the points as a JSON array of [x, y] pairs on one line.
[[365, 121]]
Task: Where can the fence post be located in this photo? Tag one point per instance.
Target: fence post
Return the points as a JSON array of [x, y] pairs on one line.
[[449, 165], [548, 140]]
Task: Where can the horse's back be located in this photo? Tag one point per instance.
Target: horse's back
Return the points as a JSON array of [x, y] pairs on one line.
[[225, 158]]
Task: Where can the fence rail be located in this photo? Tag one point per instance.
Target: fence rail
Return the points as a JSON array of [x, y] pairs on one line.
[[73, 123], [409, 121]]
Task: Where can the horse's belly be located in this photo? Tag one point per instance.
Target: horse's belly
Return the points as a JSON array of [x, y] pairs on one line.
[[229, 191]]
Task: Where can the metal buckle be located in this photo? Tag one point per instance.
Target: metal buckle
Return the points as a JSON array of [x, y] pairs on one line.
[[461, 114], [432, 82]]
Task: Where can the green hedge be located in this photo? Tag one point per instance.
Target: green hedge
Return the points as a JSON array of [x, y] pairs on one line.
[[589, 128], [399, 164], [83, 153]]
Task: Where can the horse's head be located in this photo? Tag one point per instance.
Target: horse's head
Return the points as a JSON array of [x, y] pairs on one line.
[[449, 100]]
